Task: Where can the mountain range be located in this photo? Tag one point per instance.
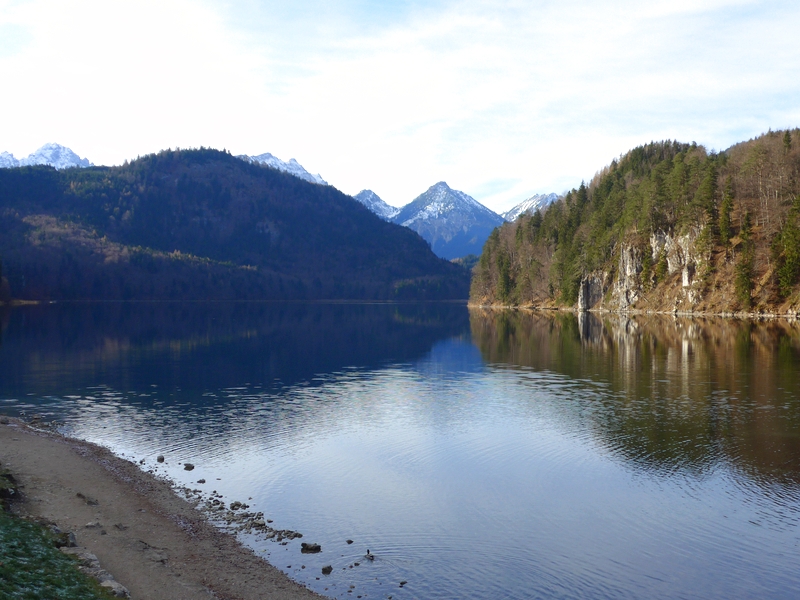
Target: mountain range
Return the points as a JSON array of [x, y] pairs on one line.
[[55, 155], [203, 224], [452, 222]]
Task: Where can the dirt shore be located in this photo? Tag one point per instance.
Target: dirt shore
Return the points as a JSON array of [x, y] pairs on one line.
[[152, 541]]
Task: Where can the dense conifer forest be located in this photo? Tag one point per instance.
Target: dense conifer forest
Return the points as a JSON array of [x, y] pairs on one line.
[[667, 226], [204, 225]]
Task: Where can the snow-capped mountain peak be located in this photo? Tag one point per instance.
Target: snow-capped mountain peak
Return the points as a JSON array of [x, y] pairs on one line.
[[55, 155], [530, 206], [374, 202], [454, 223], [440, 201], [7, 161], [292, 167]]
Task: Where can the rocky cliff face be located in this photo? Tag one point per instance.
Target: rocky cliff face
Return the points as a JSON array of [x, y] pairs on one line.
[[628, 286], [593, 288], [632, 281], [683, 256]]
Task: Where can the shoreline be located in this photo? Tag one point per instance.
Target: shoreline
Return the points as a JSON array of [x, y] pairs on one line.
[[756, 316], [151, 540]]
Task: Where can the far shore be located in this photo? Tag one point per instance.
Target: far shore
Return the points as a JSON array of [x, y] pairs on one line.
[[152, 541], [21, 302]]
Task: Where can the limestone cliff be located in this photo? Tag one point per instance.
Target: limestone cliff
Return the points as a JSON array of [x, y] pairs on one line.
[[668, 227]]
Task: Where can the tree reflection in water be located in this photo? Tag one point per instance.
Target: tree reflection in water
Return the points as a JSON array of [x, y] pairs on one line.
[[687, 394]]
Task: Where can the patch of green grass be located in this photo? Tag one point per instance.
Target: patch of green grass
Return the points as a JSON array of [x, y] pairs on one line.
[[31, 567]]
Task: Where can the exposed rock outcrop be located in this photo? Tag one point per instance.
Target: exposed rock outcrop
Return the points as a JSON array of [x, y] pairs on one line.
[[632, 281], [627, 287], [592, 289]]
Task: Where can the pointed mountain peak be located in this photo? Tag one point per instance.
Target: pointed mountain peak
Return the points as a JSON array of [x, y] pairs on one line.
[[531, 205], [454, 223], [374, 202]]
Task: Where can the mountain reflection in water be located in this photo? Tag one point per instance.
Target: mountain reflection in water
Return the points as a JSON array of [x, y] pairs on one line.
[[193, 348], [686, 394]]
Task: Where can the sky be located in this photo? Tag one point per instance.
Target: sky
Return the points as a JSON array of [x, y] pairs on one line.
[[502, 99]]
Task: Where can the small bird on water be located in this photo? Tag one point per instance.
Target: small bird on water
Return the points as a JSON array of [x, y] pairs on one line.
[[369, 555]]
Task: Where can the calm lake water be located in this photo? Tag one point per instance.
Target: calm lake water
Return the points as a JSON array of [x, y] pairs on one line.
[[475, 454]]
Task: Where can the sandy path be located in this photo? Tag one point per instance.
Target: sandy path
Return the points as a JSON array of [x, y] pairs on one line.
[[151, 541]]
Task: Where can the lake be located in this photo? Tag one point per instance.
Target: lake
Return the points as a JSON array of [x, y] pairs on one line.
[[476, 454]]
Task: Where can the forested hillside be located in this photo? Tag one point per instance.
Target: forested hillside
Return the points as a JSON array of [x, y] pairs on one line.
[[202, 224], [668, 226]]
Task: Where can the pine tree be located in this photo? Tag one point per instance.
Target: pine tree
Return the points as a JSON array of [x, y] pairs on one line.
[[789, 247], [743, 280], [725, 211]]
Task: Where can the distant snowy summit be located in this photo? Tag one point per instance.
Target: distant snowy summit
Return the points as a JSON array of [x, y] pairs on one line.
[[530, 206], [55, 155], [292, 167], [374, 202], [453, 223]]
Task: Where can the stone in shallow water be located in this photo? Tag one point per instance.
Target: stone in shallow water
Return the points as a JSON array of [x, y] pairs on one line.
[[310, 548], [160, 458], [326, 570], [188, 467]]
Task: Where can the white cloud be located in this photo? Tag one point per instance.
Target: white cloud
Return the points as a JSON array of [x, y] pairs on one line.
[[500, 99]]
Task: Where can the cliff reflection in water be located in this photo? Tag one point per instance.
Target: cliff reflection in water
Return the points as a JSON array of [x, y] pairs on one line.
[[684, 395]]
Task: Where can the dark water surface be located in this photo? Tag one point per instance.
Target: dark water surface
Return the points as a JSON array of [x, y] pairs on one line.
[[477, 455]]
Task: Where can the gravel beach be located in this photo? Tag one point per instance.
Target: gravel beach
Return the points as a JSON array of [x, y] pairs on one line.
[[152, 541]]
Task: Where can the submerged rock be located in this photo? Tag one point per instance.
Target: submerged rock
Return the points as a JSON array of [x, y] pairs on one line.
[[326, 570], [310, 548], [188, 467]]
